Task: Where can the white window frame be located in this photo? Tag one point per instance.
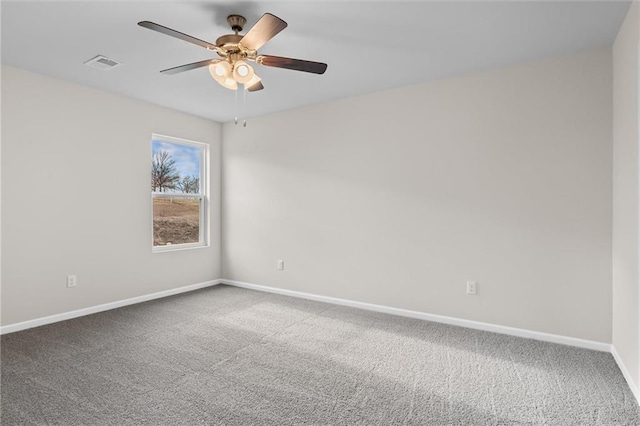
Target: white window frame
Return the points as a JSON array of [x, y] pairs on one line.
[[203, 195]]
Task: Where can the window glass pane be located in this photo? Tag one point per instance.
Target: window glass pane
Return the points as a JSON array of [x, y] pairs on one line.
[[175, 167], [176, 220]]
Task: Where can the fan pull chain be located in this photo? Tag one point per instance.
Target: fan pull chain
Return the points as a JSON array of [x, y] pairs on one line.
[[236, 118], [244, 106]]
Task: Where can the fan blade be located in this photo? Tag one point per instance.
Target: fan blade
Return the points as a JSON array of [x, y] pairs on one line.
[[177, 34], [292, 64], [189, 67], [255, 87], [264, 30]]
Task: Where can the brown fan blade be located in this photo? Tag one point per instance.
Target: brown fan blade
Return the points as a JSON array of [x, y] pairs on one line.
[[177, 34], [264, 30], [189, 67], [255, 87], [292, 64]]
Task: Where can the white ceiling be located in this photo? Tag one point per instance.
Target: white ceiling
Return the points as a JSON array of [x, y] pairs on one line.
[[369, 46]]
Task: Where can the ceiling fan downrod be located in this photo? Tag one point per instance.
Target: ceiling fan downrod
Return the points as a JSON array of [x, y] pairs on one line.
[[236, 22]]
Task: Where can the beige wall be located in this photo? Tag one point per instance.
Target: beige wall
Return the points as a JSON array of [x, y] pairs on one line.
[[626, 190], [395, 198], [75, 197], [398, 198]]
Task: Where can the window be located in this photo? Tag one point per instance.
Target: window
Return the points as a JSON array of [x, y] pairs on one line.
[[178, 193]]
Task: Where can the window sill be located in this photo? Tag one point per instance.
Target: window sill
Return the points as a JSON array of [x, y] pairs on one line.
[[178, 247]]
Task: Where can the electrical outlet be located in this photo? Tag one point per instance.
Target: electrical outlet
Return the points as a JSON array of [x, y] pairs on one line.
[[472, 287], [281, 265], [72, 280]]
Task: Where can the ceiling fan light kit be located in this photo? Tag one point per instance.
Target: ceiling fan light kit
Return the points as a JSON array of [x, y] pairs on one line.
[[230, 83], [242, 72], [220, 70], [235, 50]]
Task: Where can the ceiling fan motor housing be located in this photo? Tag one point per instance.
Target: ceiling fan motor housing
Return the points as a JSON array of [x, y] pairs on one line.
[[228, 39], [229, 44]]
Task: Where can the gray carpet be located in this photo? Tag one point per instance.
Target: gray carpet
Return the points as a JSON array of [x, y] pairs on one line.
[[231, 356]]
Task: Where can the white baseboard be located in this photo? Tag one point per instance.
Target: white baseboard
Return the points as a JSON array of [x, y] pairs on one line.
[[554, 338], [105, 307], [536, 335], [625, 373]]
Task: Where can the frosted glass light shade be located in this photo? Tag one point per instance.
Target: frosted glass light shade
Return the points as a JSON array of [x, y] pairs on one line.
[[255, 79], [229, 83], [242, 72], [220, 70]]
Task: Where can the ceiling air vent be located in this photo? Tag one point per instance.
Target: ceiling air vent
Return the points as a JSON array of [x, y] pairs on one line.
[[102, 63]]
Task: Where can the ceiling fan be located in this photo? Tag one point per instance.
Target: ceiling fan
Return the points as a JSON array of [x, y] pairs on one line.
[[235, 50]]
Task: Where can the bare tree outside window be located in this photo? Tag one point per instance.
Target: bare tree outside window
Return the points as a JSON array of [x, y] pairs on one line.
[[188, 184], [163, 172]]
